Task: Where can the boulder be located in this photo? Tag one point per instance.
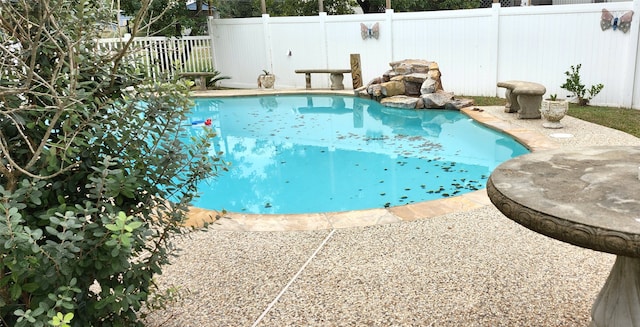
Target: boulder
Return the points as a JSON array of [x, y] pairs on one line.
[[437, 99], [458, 104], [436, 75], [400, 101], [393, 87], [429, 86], [375, 90], [362, 92], [409, 66], [416, 77]]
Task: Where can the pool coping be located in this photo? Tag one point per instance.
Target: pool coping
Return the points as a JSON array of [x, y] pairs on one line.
[[233, 221]]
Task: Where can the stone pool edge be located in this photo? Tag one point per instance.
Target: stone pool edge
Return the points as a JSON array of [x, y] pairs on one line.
[[233, 221]]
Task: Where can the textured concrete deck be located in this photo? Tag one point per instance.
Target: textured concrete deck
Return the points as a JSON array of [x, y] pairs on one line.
[[455, 262]]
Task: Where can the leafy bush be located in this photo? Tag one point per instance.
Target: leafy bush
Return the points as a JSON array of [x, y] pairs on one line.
[[217, 77], [575, 86], [94, 175]]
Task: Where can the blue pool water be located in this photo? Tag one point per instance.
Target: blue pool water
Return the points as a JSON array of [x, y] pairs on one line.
[[322, 153]]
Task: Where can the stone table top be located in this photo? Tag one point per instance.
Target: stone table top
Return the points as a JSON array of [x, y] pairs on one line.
[[587, 196]]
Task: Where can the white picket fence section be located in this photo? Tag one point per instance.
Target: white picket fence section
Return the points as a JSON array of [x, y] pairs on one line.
[[474, 48], [167, 56]]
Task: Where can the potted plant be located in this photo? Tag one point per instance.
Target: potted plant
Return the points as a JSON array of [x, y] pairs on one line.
[[266, 79], [553, 110]]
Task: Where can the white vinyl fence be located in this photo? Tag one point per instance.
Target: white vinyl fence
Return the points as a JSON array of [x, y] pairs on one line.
[[474, 48], [167, 56]]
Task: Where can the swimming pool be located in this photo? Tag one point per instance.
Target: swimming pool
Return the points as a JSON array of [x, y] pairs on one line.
[[324, 153]]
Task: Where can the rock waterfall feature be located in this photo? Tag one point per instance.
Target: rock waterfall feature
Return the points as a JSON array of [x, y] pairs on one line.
[[412, 84]]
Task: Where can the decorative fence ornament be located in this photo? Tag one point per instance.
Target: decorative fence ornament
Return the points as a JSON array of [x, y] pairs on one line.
[[370, 32], [608, 20]]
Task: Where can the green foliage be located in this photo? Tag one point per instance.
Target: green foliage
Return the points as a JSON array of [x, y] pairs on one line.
[[252, 8], [373, 6], [171, 17], [275, 8], [306, 8], [62, 320], [553, 97], [216, 78], [239, 9], [95, 176], [574, 85]]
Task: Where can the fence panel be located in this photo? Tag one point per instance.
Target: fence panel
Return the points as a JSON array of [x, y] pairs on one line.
[[241, 50], [344, 37], [163, 57], [540, 44], [474, 48], [459, 41], [306, 41]]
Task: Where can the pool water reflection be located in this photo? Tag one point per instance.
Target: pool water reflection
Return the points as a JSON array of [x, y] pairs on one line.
[[323, 153]]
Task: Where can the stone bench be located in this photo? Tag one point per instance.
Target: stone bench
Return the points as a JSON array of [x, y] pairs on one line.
[[524, 98], [336, 76], [202, 76]]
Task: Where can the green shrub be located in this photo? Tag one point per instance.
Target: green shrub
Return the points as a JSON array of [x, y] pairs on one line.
[[574, 85], [94, 175], [215, 80]]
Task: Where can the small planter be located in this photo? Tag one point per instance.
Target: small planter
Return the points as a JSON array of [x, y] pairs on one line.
[[266, 80], [552, 112]]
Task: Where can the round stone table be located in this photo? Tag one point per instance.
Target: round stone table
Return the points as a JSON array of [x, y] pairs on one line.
[[589, 197]]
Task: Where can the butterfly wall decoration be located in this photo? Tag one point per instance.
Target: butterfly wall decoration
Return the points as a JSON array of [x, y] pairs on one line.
[[608, 20], [370, 32]]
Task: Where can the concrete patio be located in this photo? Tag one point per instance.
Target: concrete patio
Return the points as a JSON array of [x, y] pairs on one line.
[[458, 262]]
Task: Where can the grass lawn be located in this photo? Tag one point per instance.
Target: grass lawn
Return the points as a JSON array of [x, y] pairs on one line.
[[626, 120]]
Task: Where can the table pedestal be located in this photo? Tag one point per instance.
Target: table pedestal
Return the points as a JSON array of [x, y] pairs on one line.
[[618, 303]]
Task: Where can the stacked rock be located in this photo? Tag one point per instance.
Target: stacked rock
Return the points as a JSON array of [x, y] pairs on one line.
[[412, 84]]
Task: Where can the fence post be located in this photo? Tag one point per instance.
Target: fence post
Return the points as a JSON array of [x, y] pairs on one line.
[[214, 59], [324, 47], [630, 93], [494, 44], [389, 31], [266, 28]]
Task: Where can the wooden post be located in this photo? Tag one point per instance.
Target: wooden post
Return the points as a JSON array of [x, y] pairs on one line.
[[263, 6], [356, 70], [388, 4], [320, 6]]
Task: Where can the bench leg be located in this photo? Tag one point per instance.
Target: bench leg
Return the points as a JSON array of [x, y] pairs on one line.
[[529, 106], [336, 81], [307, 79], [203, 82], [512, 102]]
